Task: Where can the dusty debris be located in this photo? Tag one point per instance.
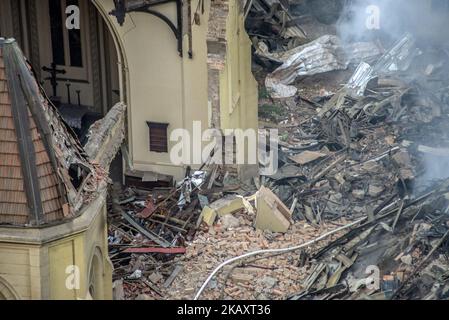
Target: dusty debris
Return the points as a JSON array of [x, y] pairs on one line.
[[364, 148], [272, 277], [381, 128], [278, 12], [173, 275], [149, 229], [117, 288], [377, 171], [155, 277], [228, 221], [144, 297], [241, 277], [106, 136], [375, 190], [307, 157]]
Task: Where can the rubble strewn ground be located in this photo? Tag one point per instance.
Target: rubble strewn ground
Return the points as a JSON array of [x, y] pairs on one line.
[[367, 138], [263, 277]]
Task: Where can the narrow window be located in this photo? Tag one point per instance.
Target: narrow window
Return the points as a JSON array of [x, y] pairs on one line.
[[76, 52], [57, 36], [158, 136]]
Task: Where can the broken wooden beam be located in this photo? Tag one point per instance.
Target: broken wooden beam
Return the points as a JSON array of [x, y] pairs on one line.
[[147, 233], [156, 250]]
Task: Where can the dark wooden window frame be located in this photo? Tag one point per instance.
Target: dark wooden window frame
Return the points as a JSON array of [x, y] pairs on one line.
[[57, 25], [57, 36], [158, 135]]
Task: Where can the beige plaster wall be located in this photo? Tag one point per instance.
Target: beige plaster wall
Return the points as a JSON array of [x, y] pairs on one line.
[[33, 263]]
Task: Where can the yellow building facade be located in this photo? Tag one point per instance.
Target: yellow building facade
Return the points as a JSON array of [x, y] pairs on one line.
[[164, 87], [63, 262]]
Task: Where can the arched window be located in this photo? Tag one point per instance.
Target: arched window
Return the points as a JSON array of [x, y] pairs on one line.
[[95, 285]]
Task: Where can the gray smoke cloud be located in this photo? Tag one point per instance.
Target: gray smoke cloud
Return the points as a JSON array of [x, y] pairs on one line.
[[389, 21], [427, 20], [436, 169]]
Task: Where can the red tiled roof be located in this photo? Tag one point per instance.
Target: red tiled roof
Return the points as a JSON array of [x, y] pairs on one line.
[[14, 208]]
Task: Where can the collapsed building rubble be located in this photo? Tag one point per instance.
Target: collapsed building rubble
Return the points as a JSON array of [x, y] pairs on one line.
[[149, 230], [381, 168], [358, 208], [325, 54]]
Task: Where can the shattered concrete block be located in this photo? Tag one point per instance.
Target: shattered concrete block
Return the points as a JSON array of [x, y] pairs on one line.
[[359, 210], [336, 197], [372, 167], [408, 260], [222, 207], [117, 289], [241, 277], [402, 159], [209, 215], [228, 205], [340, 178], [375, 191], [406, 174], [155, 277], [307, 157], [229, 221], [269, 282], [358, 194], [189, 291], [272, 214]]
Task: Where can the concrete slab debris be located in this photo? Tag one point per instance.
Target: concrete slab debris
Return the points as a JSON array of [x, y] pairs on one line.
[[223, 207], [307, 157], [272, 214]]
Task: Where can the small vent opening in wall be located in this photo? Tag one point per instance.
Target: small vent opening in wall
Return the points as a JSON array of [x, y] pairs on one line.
[[158, 136]]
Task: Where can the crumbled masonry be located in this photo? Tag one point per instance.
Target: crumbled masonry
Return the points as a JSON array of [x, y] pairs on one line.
[[106, 136], [363, 150]]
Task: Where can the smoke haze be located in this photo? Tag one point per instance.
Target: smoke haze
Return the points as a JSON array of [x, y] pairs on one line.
[[427, 20]]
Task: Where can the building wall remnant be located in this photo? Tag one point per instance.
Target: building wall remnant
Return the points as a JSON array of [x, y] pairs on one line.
[[106, 136], [165, 88]]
